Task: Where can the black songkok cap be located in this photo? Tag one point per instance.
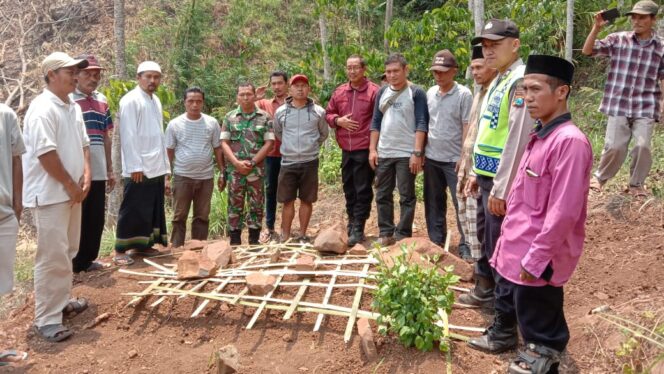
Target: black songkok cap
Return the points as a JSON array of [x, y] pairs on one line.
[[477, 52], [552, 66]]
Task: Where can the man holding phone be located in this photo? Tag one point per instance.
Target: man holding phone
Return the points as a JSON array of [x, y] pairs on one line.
[[632, 92]]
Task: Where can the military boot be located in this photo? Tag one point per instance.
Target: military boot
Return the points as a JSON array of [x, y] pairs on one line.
[[481, 295], [254, 235], [497, 338], [356, 234], [236, 237]]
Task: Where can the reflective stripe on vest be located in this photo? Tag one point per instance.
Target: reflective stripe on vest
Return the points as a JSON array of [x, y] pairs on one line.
[[494, 125]]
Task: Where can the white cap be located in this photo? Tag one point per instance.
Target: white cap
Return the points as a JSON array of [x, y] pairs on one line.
[[57, 60], [148, 66]]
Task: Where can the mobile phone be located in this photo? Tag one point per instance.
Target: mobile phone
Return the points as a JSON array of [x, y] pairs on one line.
[[610, 15]]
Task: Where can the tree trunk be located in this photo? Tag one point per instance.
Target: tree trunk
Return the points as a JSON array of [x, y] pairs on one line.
[[569, 34], [359, 19], [389, 7], [115, 197], [323, 44], [478, 15]]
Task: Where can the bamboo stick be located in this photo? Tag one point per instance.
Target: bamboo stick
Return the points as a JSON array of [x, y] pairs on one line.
[[161, 299], [356, 306], [160, 267], [446, 334], [145, 292], [296, 299], [196, 288], [326, 298]]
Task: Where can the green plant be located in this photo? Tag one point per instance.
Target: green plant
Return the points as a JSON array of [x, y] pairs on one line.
[[218, 213], [408, 299], [329, 170]]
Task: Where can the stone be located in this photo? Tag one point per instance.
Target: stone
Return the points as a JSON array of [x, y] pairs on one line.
[[305, 263], [259, 283], [228, 360], [133, 353], [192, 265], [366, 339], [220, 252], [194, 244], [358, 250], [601, 295], [274, 257], [437, 255], [332, 239]]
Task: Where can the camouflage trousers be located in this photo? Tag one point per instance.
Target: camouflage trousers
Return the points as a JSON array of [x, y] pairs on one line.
[[245, 191]]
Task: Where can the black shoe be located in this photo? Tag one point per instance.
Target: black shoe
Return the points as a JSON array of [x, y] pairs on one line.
[[236, 237], [481, 295], [349, 226], [254, 236], [464, 252], [496, 339], [357, 234]]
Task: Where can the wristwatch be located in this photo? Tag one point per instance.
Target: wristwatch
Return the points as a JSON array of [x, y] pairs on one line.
[[417, 153], [253, 163]]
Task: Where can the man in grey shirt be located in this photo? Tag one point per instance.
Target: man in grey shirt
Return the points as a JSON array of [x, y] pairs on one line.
[[398, 133], [191, 140], [449, 107]]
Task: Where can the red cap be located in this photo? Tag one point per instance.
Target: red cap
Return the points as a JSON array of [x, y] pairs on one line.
[[93, 64], [299, 77]]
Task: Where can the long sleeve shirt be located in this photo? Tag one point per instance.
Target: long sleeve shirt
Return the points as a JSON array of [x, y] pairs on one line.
[[544, 228], [142, 135], [302, 131]]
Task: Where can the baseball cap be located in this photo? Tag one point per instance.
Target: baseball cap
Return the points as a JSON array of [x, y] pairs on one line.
[[497, 29], [443, 61], [148, 66], [57, 60], [92, 62], [644, 7], [299, 77]]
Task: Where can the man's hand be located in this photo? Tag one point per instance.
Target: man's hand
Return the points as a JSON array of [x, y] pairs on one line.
[[221, 182], [167, 186], [497, 206], [110, 181], [85, 184], [373, 159], [471, 189], [599, 21], [137, 177], [244, 167], [260, 92], [347, 123], [75, 193], [18, 209], [526, 276], [415, 164]]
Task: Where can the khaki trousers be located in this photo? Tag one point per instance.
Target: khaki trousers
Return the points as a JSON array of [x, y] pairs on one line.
[[619, 132], [8, 234], [58, 235]]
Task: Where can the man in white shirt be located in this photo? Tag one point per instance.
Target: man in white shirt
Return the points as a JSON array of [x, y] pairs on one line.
[[57, 179], [141, 220]]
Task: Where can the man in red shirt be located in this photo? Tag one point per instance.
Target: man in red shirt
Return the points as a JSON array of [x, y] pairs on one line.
[[349, 113], [279, 86]]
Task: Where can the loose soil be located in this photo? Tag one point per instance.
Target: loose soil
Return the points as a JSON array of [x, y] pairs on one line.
[[620, 267]]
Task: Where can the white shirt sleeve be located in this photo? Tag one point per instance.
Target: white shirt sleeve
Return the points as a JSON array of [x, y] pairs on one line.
[[83, 132], [129, 136]]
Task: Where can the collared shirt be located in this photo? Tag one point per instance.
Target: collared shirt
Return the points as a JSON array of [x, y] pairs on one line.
[[545, 223], [359, 103], [98, 122], [246, 133], [51, 124], [11, 145], [193, 143], [635, 70], [270, 106], [142, 135], [466, 164], [448, 113]]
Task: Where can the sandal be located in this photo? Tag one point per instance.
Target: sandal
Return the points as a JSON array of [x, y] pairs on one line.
[[536, 359], [596, 185], [75, 306], [123, 260], [268, 236], [148, 252], [303, 239], [54, 333], [637, 191], [12, 356]]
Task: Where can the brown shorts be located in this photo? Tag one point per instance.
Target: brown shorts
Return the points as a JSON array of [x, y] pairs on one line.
[[298, 180]]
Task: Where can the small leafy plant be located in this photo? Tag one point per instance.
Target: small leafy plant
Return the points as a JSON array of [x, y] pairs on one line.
[[408, 299]]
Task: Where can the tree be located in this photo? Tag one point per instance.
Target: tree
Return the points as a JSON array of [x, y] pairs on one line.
[[322, 22], [569, 33], [477, 7], [389, 5]]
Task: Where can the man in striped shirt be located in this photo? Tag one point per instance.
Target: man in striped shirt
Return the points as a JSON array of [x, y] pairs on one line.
[[631, 95], [191, 140], [99, 126]]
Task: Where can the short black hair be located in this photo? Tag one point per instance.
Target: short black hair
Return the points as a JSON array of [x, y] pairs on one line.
[[46, 79], [193, 89], [363, 63], [396, 57], [279, 73], [557, 82], [245, 84]]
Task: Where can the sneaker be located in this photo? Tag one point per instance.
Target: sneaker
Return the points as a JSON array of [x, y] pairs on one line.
[[464, 252], [268, 236]]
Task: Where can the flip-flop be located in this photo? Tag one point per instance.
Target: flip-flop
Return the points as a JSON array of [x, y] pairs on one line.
[[12, 356], [123, 260], [54, 333], [75, 306]]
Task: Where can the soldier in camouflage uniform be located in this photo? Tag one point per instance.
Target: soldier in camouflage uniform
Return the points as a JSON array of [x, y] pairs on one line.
[[246, 136]]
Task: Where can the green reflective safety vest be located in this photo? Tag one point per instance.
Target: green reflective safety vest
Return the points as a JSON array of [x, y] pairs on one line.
[[493, 124]]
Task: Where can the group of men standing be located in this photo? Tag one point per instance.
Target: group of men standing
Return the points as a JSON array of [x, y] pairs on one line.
[[517, 168]]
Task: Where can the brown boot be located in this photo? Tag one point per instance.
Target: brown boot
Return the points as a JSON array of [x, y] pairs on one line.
[[481, 295]]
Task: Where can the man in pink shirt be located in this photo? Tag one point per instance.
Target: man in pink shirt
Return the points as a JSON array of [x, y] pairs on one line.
[[543, 232]]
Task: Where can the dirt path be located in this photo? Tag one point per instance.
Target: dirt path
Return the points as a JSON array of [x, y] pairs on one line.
[[622, 259]]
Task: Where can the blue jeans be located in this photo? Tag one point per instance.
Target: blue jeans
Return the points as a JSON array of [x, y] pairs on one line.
[[272, 167]]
